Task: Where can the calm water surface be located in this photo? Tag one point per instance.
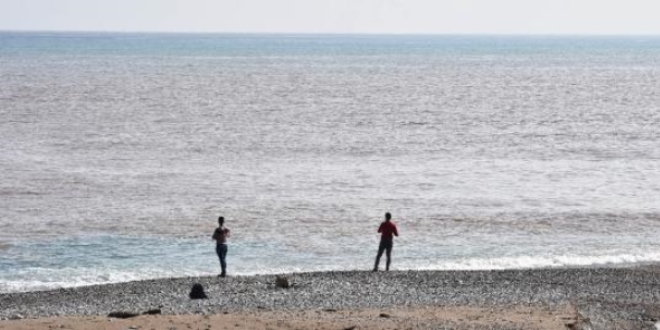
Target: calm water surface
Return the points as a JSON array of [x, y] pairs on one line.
[[119, 151]]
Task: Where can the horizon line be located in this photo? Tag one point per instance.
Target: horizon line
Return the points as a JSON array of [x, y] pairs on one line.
[[512, 34]]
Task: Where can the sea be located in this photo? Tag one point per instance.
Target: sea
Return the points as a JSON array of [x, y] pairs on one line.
[[119, 151]]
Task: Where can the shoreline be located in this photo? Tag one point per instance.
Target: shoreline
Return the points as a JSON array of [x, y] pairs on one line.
[[623, 265], [623, 295]]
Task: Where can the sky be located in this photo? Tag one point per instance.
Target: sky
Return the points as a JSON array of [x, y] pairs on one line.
[[337, 16]]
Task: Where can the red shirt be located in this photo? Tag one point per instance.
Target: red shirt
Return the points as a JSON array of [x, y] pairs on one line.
[[387, 229]]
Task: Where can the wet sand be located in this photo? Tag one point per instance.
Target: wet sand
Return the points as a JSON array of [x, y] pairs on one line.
[[386, 318]]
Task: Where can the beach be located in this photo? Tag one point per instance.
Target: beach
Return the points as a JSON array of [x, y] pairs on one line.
[[521, 172], [566, 298]]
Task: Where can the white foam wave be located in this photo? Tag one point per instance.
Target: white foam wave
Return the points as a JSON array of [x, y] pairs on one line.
[[46, 279], [37, 279], [525, 262]]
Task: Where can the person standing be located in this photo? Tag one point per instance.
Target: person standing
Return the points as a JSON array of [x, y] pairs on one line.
[[387, 230], [220, 236]]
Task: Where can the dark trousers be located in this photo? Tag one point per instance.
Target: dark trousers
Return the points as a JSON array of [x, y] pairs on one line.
[[221, 250], [385, 245]]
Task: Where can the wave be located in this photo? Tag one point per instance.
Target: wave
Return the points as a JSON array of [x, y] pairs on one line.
[[41, 278], [38, 278], [526, 262]]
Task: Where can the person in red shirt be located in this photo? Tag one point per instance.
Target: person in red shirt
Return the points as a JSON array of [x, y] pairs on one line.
[[387, 230]]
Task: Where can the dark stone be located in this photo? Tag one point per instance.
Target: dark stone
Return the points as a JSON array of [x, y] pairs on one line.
[[197, 292], [282, 282], [385, 315], [156, 311], [123, 315]]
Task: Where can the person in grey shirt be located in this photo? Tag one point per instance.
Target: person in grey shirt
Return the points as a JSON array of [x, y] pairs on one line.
[[220, 236]]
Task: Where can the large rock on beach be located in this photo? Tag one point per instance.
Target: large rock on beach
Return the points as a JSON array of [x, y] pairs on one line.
[[197, 292]]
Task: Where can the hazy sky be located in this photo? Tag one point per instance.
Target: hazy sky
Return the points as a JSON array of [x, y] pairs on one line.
[[337, 16]]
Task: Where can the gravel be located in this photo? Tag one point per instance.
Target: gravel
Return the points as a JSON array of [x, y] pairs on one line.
[[629, 296]]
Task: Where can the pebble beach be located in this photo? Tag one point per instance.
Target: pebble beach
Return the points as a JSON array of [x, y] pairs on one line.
[[579, 298]]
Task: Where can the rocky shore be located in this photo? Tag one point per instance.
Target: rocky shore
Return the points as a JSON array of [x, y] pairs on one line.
[[602, 298]]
